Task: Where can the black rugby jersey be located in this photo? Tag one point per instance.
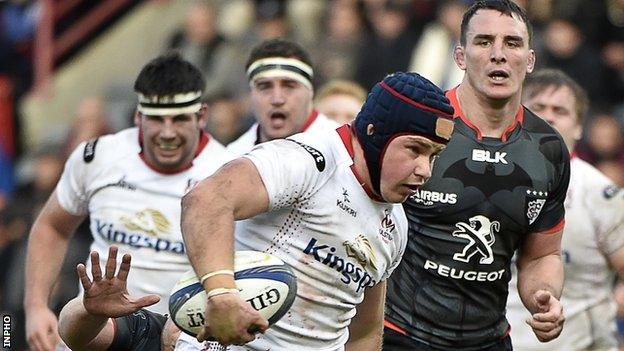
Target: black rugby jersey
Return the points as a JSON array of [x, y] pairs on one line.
[[139, 331], [484, 197]]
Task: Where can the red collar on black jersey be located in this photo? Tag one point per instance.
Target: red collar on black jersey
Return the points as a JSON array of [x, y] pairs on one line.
[[452, 95], [311, 118], [345, 135], [204, 138]]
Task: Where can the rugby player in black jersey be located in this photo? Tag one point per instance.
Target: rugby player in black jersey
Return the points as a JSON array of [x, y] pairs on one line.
[[498, 187]]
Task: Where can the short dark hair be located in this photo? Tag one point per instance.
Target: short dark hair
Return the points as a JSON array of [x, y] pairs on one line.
[[543, 79], [278, 48], [167, 75], [506, 7]]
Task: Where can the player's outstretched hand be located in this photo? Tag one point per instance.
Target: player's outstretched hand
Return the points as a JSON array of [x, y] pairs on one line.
[[547, 323], [107, 295], [230, 320]]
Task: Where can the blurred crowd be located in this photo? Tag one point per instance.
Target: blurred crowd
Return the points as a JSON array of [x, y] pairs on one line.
[[354, 44]]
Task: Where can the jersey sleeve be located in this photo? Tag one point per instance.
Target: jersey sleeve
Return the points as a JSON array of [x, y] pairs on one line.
[[552, 215], [608, 212], [289, 170], [139, 331], [71, 188]]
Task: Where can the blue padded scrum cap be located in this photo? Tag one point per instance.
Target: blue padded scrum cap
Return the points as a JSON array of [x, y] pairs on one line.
[[403, 103]]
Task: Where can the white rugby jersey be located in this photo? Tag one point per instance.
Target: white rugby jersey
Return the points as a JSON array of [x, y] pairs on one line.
[[135, 207], [316, 121], [322, 223], [594, 230]]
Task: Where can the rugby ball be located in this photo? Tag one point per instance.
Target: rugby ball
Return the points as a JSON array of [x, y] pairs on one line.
[[263, 280]]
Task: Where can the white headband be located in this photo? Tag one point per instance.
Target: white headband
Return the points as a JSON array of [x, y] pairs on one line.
[[271, 67], [163, 105]]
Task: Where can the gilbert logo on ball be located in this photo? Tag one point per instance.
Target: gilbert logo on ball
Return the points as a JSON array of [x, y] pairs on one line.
[[263, 280]]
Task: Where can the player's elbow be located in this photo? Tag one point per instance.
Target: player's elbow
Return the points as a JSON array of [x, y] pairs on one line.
[[192, 199], [66, 327], [69, 340], [205, 194]]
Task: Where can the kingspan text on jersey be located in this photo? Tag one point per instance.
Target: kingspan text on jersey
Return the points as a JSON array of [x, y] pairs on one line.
[[350, 273], [112, 234]]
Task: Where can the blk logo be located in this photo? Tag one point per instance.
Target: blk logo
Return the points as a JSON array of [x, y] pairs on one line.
[[486, 156], [480, 235]]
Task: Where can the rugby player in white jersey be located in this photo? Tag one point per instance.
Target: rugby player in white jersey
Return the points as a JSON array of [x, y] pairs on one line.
[[327, 204], [280, 78], [593, 239], [281, 98], [130, 184]]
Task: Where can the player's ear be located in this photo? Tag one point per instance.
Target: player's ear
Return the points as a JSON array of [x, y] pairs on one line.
[[531, 61], [578, 132], [202, 115], [137, 119], [460, 57]]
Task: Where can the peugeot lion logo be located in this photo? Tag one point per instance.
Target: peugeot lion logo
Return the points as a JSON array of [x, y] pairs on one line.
[[480, 236]]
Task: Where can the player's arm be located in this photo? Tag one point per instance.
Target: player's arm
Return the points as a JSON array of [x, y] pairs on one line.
[[617, 261], [540, 282], [616, 258], [366, 328], [235, 191], [612, 239], [169, 336], [81, 330], [85, 322], [47, 245]]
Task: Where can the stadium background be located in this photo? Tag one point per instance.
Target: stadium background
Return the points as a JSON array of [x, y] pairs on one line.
[[67, 69]]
